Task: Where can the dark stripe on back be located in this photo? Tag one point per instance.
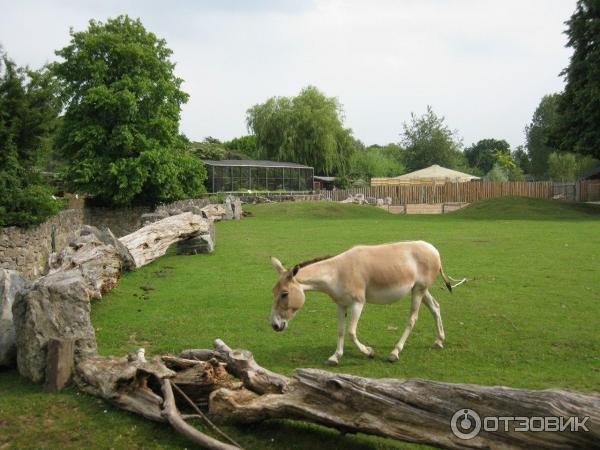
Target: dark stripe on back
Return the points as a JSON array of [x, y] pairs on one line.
[[312, 261]]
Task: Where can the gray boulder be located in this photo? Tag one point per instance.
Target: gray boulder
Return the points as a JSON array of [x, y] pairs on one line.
[[55, 306], [203, 243], [11, 283]]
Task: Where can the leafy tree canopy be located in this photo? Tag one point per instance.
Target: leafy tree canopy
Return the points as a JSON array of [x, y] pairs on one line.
[[243, 145], [28, 111], [306, 129], [428, 140], [579, 106], [376, 161], [539, 134], [120, 131], [481, 155]]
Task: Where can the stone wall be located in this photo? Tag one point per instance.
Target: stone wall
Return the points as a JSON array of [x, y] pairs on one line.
[[121, 221], [27, 249]]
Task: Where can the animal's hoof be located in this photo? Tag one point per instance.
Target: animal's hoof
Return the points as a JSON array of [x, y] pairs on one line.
[[370, 352], [438, 344], [393, 357], [332, 362]]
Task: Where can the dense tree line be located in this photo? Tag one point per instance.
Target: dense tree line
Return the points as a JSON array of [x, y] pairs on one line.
[[105, 117]]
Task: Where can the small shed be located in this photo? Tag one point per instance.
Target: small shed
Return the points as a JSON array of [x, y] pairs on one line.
[[239, 175], [434, 174]]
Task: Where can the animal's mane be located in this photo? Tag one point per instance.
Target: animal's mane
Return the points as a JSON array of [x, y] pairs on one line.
[[312, 261]]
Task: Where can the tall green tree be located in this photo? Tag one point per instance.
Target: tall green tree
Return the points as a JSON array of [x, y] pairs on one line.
[[120, 131], [481, 154], [540, 134], [376, 161], [579, 106], [28, 111], [428, 140], [306, 129]]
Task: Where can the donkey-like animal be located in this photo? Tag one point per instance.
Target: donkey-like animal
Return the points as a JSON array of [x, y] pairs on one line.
[[380, 274]]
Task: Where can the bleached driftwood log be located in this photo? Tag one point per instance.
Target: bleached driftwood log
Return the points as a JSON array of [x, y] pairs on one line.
[[418, 411], [144, 387], [153, 240]]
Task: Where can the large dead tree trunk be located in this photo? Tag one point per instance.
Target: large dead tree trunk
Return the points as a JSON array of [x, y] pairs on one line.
[[153, 240], [418, 411]]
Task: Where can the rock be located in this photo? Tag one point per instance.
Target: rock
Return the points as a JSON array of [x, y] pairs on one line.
[[380, 202], [194, 210], [100, 263], [201, 243], [388, 201], [55, 306], [214, 212], [371, 201], [11, 283], [228, 209], [175, 212], [236, 207]]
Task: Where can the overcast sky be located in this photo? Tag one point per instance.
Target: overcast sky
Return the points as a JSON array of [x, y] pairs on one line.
[[482, 64]]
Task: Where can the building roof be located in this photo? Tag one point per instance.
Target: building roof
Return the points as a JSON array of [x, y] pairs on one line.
[[254, 163], [436, 172]]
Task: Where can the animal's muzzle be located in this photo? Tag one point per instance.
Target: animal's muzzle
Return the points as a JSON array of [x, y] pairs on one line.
[[278, 327]]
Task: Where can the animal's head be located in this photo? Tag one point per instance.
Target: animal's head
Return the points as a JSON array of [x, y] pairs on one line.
[[288, 296]]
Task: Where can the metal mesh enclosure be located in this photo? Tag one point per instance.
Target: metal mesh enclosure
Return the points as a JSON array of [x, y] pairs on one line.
[[243, 176]]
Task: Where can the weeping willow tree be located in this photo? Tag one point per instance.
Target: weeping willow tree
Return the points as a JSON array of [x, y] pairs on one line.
[[306, 129]]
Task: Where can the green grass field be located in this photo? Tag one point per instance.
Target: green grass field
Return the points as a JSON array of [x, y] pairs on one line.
[[528, 317]]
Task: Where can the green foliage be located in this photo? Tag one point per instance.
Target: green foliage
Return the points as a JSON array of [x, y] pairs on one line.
[[28, 110], [579, 106], [306, 129], [540, 134], [498, 173], [376, 161], [208, 150], [481, 155], [243, 145], [428, 141], [521, 158], [120, 128], [563, 166]]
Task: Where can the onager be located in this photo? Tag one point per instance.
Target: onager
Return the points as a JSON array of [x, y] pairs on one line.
[[380, 274]]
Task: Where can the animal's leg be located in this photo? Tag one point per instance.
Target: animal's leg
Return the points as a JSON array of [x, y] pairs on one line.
[[434, 307], [339, 351], [356, 311], [417, 295]]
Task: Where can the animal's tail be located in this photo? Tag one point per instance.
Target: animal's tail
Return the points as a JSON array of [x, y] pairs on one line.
[[447, 280]]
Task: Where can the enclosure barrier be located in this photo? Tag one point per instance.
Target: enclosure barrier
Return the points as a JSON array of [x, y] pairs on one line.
[[448, 193]]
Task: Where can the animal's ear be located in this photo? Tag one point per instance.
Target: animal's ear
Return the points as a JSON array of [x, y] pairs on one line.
[[295, 270], [277, 264]]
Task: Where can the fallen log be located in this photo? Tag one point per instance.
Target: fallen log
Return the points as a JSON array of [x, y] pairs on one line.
[[153, 240], [418, 411]]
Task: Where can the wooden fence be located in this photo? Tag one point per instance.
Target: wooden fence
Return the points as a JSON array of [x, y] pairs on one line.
[[449, 192], [407, 194], [588, 191]]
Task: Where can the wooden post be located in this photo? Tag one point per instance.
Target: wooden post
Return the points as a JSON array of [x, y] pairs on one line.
[[60, 363]]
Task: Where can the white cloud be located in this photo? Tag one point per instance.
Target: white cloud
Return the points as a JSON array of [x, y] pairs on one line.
[[484, 65]]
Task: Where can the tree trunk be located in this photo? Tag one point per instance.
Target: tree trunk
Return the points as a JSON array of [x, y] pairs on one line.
[[418, 411], [153, 240]]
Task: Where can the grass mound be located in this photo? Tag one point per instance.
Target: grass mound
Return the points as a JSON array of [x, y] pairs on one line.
[[524, 208]]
